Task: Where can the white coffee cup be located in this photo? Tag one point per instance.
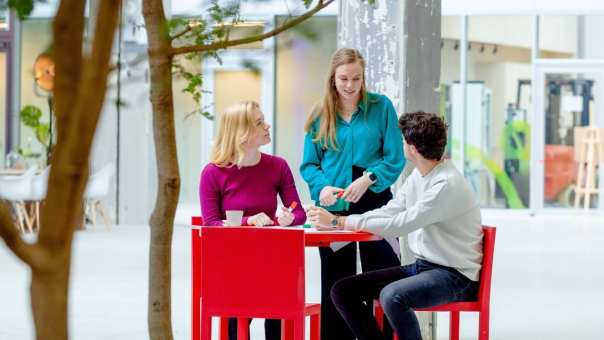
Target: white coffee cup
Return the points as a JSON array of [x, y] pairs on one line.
[[233, 217]]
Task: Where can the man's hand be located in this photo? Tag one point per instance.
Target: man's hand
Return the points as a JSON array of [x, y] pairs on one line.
[[321, 219]]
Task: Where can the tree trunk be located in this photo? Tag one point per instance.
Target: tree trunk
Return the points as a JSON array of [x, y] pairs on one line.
[[79, 93], [49, 291], [162, 218]]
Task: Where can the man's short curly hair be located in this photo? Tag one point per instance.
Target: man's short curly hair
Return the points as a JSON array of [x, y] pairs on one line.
[[426, 131]]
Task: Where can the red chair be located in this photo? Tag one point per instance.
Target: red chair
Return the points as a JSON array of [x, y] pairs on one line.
[[250, 273], [482, 305]]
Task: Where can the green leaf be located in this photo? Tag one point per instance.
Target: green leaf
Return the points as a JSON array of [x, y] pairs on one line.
[[22, 7], [202, 113], [30, 116], [214, 54], [251, 65], [177, 23], [193, 56], [207, 115], [43, 134], [215, 11]]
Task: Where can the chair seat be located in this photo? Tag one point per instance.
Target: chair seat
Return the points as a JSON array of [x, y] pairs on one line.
[[484, 296], [455, 306]]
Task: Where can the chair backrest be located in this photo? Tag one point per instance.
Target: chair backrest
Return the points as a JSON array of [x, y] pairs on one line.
[[17, 188], [252, 272], [197, 220], [39, 185], [98, 184], [488, 244]]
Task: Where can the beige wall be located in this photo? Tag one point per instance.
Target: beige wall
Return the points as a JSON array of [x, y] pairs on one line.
[[231, 87]]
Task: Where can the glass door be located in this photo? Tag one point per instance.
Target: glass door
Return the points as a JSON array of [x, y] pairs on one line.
[[569, 100]]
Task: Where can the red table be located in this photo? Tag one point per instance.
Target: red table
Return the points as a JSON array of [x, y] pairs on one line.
[[326, 238], [313, 238]]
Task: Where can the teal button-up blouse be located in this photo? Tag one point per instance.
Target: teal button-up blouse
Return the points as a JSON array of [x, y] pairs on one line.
[[371, 140]]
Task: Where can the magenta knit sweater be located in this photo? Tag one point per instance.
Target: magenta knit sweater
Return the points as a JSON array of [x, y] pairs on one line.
[[253, 189]]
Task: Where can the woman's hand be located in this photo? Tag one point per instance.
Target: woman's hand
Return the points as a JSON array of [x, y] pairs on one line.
[[285, 217], [320, 218], [328, 195], [357, 189], [260, 220]]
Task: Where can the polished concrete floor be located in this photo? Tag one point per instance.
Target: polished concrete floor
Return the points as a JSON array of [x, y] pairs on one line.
[[547, 281]]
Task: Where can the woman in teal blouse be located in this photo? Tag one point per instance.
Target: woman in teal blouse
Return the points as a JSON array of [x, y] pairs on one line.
[[352, 149]]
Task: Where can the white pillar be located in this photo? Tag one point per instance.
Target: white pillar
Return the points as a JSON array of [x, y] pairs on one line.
[[400, 41]]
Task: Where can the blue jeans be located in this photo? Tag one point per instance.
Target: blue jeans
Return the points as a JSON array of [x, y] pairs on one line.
[[400, 290]]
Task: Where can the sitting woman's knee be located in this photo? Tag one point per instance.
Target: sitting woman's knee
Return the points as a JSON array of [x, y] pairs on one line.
[[342, 289]]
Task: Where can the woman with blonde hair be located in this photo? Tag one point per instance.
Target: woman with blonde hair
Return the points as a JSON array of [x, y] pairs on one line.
[[353, 150], [240, 177]]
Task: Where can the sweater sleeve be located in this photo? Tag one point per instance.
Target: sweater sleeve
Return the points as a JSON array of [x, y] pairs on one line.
[[210, 198], [289, 194], [393, 159], [394, 220]]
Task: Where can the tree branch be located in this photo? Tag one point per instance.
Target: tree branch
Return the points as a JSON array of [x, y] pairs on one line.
[[12, 238], [183, 32], [225, 44]]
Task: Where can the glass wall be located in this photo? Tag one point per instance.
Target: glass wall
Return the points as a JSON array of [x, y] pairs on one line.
[[302, 62], [450, 63], [570, 108], [488, 128]]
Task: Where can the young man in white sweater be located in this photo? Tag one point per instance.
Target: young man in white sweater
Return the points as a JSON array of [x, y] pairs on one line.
[[437, 210]]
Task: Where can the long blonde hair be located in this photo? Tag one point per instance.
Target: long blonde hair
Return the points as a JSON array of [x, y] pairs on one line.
[[234, 127], [327, 111]]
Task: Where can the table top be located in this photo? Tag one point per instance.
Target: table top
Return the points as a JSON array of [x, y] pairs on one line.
[[12, 172], [316, 238]]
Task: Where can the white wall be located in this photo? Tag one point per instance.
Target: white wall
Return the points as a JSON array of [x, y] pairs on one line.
[[522, 7], [558, 33], [137, 170], [594, 42], [188, 142]]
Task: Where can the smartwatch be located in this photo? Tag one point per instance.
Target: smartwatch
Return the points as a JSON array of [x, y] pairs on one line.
[[334, 221], [371, 176]]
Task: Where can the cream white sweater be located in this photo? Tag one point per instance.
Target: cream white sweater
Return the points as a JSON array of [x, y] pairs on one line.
[[440, 215]]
